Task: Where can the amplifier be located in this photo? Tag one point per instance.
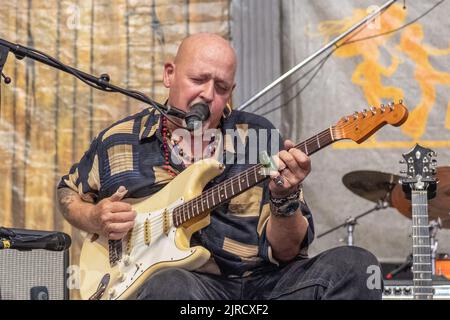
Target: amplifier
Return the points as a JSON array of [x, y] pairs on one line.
[[33, 274], [403, 290]]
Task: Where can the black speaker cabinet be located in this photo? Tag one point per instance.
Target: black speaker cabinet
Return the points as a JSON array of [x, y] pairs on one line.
[[36, 274]]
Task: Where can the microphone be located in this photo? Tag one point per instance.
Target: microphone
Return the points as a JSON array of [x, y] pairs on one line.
[[199, 112], [56, 241]]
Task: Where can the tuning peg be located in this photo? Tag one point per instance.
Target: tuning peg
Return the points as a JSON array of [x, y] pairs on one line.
[[382, 108], [364, 113], [400, 101], [402, 162], [403, 171], [355, 115], [373, 110], [391, 106], [433, 163]]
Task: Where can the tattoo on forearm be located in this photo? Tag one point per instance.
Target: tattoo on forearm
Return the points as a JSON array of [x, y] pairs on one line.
[[66, 197]]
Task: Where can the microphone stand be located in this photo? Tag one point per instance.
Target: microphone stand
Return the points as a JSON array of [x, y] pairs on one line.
[[314, 55], [101, 83], [351, 222]]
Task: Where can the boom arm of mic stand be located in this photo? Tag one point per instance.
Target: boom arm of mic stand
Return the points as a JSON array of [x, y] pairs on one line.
[[314, 55], [101, 83], [380, 205]]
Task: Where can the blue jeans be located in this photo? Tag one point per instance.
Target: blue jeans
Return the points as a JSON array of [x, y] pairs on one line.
[[339, 273]]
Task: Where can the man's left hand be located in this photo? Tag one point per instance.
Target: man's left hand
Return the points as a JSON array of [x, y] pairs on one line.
[[293, 167]]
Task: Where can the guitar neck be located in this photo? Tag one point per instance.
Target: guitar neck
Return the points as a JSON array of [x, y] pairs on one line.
[[422, 267], [245, 180]]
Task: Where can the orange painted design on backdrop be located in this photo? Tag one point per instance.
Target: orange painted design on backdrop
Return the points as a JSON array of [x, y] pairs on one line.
[[411, 43]]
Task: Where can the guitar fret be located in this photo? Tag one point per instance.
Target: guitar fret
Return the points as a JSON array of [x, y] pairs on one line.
[[176, 215], [212, 196], [232, 186], [246, 177], [226, 195], [195, 207]]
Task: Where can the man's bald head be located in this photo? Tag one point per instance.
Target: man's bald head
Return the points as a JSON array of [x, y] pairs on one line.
[[201, 44], [203, 71]]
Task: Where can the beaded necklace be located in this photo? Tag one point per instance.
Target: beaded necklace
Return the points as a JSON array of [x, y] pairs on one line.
[[211, 149]]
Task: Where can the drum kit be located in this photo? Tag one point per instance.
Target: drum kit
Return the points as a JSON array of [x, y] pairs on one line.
[[385, 191]]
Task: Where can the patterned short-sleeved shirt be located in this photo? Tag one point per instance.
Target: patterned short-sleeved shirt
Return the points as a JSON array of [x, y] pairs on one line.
[[131, 153]]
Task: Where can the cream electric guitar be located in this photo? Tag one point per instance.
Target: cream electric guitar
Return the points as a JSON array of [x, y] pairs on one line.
[[166, 220]]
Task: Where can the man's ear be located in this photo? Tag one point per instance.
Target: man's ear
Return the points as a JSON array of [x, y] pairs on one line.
[[169, 71]]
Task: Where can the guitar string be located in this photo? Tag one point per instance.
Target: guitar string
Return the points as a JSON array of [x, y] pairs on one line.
[[157, 222], [245, 174], [341, 128]]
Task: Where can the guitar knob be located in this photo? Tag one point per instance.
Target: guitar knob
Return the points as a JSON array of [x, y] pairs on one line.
[[112, 293], [122, 277], [126, 260]]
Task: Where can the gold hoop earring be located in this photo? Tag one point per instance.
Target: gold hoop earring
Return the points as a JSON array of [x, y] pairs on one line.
[[227, 111]]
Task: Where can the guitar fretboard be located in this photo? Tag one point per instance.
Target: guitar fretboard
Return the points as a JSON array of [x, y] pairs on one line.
[[422, 268], [243, 181]]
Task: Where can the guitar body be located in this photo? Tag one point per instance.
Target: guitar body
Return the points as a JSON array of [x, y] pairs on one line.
[[154, 243]]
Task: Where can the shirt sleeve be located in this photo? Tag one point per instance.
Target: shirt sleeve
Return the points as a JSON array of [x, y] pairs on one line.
[[84, 177]]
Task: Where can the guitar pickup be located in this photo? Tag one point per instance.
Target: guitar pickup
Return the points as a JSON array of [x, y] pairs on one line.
[[147, 232], [166, 222]]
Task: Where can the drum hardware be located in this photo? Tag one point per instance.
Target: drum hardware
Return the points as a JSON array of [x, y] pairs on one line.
[[372, 185], [351, 222], [438, 207]]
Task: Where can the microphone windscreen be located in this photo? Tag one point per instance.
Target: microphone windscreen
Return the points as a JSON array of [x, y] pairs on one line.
[[198, 113]]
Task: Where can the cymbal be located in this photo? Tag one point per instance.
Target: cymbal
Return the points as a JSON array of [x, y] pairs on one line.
[[438, 207], [371, 185]]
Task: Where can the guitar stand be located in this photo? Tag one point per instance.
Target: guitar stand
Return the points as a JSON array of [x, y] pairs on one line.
[[350, 222]]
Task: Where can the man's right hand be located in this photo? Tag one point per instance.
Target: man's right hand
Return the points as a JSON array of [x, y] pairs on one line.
[[113, 217]]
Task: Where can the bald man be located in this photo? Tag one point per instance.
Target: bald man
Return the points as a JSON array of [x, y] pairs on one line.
[[261, 236]]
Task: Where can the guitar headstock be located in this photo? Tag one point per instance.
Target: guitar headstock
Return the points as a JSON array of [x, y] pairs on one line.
[[420, 168], [361, 125]]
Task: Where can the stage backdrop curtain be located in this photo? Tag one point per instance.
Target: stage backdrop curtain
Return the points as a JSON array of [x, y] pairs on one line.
[[48, 118]]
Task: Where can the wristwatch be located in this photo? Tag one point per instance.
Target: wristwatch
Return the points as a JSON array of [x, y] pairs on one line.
[[287, 209]]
